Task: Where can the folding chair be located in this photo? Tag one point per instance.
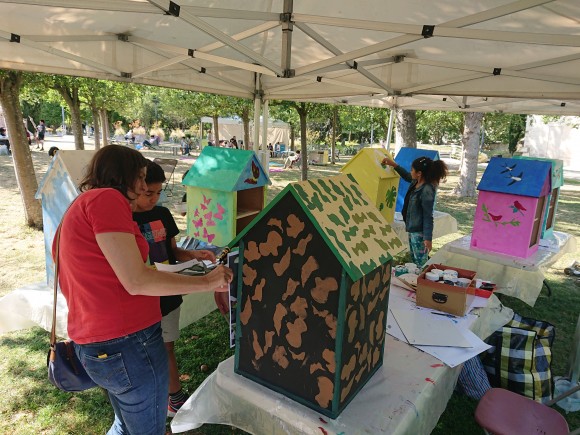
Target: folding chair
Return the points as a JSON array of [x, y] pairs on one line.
[[168, 166], [504, 412]]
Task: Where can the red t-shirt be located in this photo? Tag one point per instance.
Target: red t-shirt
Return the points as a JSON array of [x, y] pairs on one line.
[[99, 307]]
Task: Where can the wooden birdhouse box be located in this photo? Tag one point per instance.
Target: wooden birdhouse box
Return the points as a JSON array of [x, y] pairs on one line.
[[557, 182], [58, 188], [405, 158], [226, 189], [511, 206], [378, 182], [315, 270]]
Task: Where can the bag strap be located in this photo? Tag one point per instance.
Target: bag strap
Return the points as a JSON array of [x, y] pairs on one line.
[[53, 329]]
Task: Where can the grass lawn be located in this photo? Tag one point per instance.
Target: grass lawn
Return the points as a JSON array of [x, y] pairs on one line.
[[30, 405]]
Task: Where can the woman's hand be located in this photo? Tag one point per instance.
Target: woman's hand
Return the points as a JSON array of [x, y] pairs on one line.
[[387, 161], [203, 254], [219, 278], [428, 245]]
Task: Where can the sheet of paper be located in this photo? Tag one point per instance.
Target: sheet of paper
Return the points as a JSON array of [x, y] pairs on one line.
[[450, 356], [206, 264], [478, 302], [453, 356], [421, 328]]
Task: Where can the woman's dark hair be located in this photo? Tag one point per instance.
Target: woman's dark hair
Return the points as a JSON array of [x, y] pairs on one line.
[[433, 171], [52, 151], [155, 173], [115, 166]]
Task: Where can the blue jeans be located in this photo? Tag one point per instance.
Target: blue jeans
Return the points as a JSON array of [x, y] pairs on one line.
[[134, 371]]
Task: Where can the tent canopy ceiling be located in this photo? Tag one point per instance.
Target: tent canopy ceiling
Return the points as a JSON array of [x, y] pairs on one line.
[[520, 56]]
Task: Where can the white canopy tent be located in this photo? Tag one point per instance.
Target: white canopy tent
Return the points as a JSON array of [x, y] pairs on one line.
[[520, 56]]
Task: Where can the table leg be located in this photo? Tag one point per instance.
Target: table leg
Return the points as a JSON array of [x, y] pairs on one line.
[[545, 284]]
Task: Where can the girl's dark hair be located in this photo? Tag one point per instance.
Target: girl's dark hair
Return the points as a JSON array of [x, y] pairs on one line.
[[115, 166], [155, 173], [433, 171]]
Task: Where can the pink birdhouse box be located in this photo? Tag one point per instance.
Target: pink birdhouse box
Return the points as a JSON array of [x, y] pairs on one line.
[[511, 205]]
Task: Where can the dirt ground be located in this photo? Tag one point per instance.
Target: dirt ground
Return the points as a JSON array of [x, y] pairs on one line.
[[22, 247]]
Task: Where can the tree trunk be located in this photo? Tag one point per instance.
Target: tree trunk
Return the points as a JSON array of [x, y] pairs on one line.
[[71, 98], [246, 122], [96, 126], [406, 131], [468, 171], [104, 126], [303, 147], [23, 165], [216, 130], [292, 138]]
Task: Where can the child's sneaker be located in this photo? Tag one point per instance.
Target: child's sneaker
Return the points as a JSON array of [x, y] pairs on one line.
[[175, 402]]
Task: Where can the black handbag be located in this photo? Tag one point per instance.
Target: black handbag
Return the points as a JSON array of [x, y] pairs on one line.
[[65, 370]]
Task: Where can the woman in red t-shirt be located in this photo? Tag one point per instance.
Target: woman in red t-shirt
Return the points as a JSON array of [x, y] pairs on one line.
[[113, 297]]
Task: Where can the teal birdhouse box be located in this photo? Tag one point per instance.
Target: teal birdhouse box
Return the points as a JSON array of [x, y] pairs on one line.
[[226, 189], [557, 182]]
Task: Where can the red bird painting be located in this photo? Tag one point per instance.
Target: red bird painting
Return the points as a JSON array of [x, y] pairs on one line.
[[517, 206], [494, 217]]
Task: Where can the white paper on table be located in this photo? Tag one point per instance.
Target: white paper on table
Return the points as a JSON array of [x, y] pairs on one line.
[[453, 356], [478, 302], [450, 356], [421, 328]]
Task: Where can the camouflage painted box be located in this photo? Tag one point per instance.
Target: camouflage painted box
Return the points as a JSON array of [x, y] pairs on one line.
[[313, 293]]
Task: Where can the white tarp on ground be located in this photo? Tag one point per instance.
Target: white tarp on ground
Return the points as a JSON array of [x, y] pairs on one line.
[[521, 56]]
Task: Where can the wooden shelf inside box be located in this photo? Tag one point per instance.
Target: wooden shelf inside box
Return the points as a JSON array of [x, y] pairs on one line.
[[443, 297]]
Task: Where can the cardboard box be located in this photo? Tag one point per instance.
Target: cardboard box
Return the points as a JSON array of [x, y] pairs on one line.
[[443, 297]]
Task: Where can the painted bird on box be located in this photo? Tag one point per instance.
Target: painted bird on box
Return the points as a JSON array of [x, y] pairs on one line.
[[516, 178], [517, 206]]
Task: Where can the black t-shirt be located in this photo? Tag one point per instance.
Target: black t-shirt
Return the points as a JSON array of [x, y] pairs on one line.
[[158, 227]]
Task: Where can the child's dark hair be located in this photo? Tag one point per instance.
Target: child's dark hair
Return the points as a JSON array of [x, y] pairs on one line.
[[52, 151], [155, 173], [433, 171]]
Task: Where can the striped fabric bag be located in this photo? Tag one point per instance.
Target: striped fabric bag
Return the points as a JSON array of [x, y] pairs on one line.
[[520, 358]]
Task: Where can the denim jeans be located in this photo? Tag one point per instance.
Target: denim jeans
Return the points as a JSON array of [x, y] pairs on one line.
[[134, 371]]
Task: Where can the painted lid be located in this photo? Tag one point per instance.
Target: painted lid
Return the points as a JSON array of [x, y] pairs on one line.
[[226, 169], [516, 176], [368, 160]]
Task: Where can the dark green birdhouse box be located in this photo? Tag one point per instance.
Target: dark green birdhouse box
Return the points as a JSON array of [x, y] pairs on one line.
[[314, 277]]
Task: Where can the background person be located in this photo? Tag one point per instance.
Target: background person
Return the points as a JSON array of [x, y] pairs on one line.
[[40, 132], [113, 297], [419, 201], [159, 229], [290, 160]]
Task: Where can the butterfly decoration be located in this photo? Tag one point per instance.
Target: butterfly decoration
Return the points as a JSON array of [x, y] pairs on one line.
[[197, 223], [206, 200], [207, 236], [196, 213], [196, 234], [255, 174], [208, 215], [517, 206], [220, 214]]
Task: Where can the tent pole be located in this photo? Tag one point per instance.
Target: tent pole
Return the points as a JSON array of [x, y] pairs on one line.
[[257, 109], [265, 121], [390, 129]]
